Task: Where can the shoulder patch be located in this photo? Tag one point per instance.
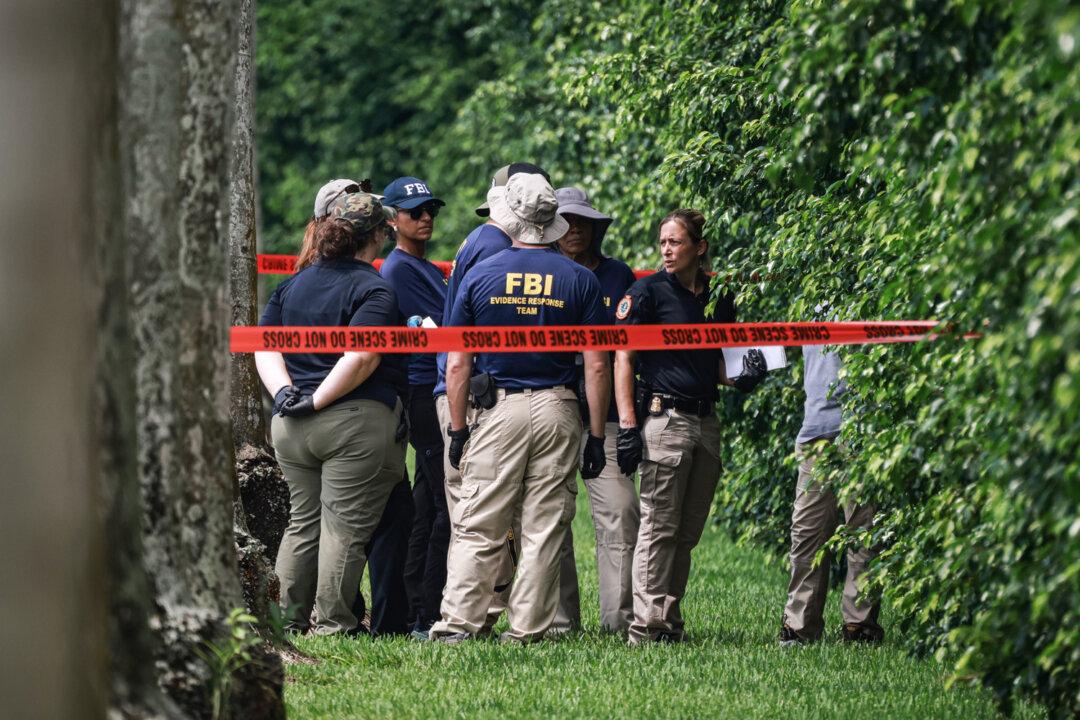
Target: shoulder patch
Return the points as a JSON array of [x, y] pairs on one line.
[[622, 310]]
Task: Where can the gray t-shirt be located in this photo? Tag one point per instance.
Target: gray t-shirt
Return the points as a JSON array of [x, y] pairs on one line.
[[821, 414]]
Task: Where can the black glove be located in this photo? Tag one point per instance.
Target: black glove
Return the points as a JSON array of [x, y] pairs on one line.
[[401, 434], [754, 371], [458, 438], [298, 406], [628, 449], [593, 459], [283, 396]]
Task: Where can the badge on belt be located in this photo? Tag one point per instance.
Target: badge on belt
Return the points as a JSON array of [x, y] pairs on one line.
[[656, 406]]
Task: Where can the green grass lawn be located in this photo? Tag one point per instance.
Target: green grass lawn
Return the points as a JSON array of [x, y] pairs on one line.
[[730, 668]]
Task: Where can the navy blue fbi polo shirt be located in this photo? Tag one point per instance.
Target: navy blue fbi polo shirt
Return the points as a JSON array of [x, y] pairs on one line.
[[614, 276], [528, 287], [338, 292], [420, 290], [660, 299], [483, 242]]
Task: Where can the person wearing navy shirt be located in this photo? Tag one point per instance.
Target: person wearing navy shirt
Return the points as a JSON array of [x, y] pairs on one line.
[[483, 242], [336, 418], [522, 458], [612, 495], [678, 445], [421, 293]]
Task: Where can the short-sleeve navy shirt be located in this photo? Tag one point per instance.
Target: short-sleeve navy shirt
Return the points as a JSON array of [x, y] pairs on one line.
[[528, 287], [338, 292], [614, 276], [660, 299], [483, 242], [420, 290]]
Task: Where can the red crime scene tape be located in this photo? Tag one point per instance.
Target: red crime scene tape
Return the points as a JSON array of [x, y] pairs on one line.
[[576, 338], [286, 265]]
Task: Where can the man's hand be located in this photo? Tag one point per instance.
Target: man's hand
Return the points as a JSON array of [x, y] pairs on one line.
[[401, 434], [283, 396], [754, 371], [628, 449], [298, 406], [458, 438], [593, 459]]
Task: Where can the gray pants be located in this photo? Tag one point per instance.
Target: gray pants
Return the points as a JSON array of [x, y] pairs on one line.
[[340, 464], [679, 474], [813, 522], [615, 513]]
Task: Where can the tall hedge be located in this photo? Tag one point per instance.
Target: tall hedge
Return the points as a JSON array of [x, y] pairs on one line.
[[864, 159]]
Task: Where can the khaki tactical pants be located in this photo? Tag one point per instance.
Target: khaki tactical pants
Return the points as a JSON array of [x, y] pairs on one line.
[[522, 460], [813, 522], [340, 464], [568, 616], [616, 515], [679, 474]]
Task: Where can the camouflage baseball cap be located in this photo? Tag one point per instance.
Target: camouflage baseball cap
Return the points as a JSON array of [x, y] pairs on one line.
[[361, 209]]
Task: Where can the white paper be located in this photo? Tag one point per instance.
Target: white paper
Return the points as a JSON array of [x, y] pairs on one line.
[[775, 358], [428, 323]]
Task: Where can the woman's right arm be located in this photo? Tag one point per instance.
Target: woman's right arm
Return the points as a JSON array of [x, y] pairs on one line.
[[349, 372], [378, 308]]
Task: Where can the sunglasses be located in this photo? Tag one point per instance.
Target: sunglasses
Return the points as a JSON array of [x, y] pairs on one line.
[[418, 212]]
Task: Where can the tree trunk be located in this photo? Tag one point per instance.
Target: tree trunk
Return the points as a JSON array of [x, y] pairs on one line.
[[264, 496], [52, 594], [176, 123]]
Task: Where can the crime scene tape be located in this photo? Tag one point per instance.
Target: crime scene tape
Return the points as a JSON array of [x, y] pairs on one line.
[[576, 338], [286, 265]]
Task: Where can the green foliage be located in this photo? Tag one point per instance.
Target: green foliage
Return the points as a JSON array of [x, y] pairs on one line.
[[865, 159], [227, 657]]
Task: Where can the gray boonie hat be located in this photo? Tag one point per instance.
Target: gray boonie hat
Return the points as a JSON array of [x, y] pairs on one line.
[[503, 174], [526, 207], [575, 201], [363, 210]]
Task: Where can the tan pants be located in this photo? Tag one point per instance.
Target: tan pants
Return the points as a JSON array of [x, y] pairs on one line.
[[522, 460], [340, 464], [568, 616], [679, 474], [813, 522], [616, 515]]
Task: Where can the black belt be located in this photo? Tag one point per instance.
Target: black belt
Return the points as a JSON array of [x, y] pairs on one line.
[[515, 391], [701, 408]]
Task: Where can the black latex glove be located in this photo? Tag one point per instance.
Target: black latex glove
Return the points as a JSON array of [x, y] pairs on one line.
[[754, 371], [593, 459], [401, 434], [298, 406], [458, 438], [628, 449], [283, 395]]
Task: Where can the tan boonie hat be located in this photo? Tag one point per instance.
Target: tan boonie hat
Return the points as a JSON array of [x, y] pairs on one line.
[[527, 209], [503, 174], [361, 209]]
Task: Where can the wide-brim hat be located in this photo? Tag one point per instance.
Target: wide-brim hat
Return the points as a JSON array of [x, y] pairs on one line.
[[527, 209], [503, 175], [575, 201]]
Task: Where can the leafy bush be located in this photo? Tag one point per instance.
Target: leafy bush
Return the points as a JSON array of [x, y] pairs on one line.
[[867, 159]]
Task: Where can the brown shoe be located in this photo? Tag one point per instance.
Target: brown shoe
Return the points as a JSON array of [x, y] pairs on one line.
[[868, 633], [790, 638]]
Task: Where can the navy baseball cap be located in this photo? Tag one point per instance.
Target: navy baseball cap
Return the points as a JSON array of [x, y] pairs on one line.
[[406, 193]]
